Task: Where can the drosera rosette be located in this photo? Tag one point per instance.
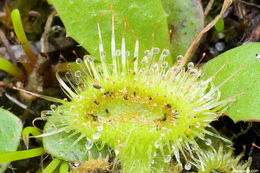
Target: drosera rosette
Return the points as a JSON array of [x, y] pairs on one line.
[[148, 112], [223, 160]]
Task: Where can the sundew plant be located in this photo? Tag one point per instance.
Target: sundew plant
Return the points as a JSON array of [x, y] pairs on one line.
[[131, 108]]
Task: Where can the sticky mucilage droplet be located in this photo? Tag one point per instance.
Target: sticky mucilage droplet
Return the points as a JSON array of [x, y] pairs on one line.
[[96, 135], [89, 145], [187, 166], [78, 61], [77, 74], [167, 158]]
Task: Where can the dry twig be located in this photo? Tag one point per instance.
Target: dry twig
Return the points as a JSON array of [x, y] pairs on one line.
[[8, 47], [208, 7], [45, 35], [196, 42], [249, 3], [255, 34]]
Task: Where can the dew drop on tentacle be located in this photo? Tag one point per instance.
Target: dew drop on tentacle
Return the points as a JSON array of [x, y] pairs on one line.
[[96, 135], [166, 52], [179, 59], [116, 152], [77, 73], [193, 71], [187, 166], [156, 50], [155, 67], [167, 158], [190, 65], [157, 144], [165, 64], [208, 142], [197, 125], [144, 60], [78, 61], [89, 144], [89, 58], [147, 52]]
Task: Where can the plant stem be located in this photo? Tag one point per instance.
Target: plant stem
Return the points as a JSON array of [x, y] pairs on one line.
[[52, 166], [9, 156], [64, 167]]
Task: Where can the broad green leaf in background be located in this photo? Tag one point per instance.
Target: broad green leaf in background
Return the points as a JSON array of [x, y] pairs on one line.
[[80, 18], [186, 19], [10, 133], [246, 107], [64, 146]]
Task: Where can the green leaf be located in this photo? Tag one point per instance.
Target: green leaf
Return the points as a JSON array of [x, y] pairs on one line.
[[19, 31], [80, 19], [64, 150], [10, 133], [186, 19], [61, 145], [10, 68], [49, 1], [246, 106], [219, 26]]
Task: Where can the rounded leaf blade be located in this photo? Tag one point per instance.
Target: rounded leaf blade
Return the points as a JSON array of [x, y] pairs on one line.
[[246, 106], [10, 133]]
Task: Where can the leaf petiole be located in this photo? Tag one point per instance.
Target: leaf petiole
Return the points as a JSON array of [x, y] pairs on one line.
[[8, 156]]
